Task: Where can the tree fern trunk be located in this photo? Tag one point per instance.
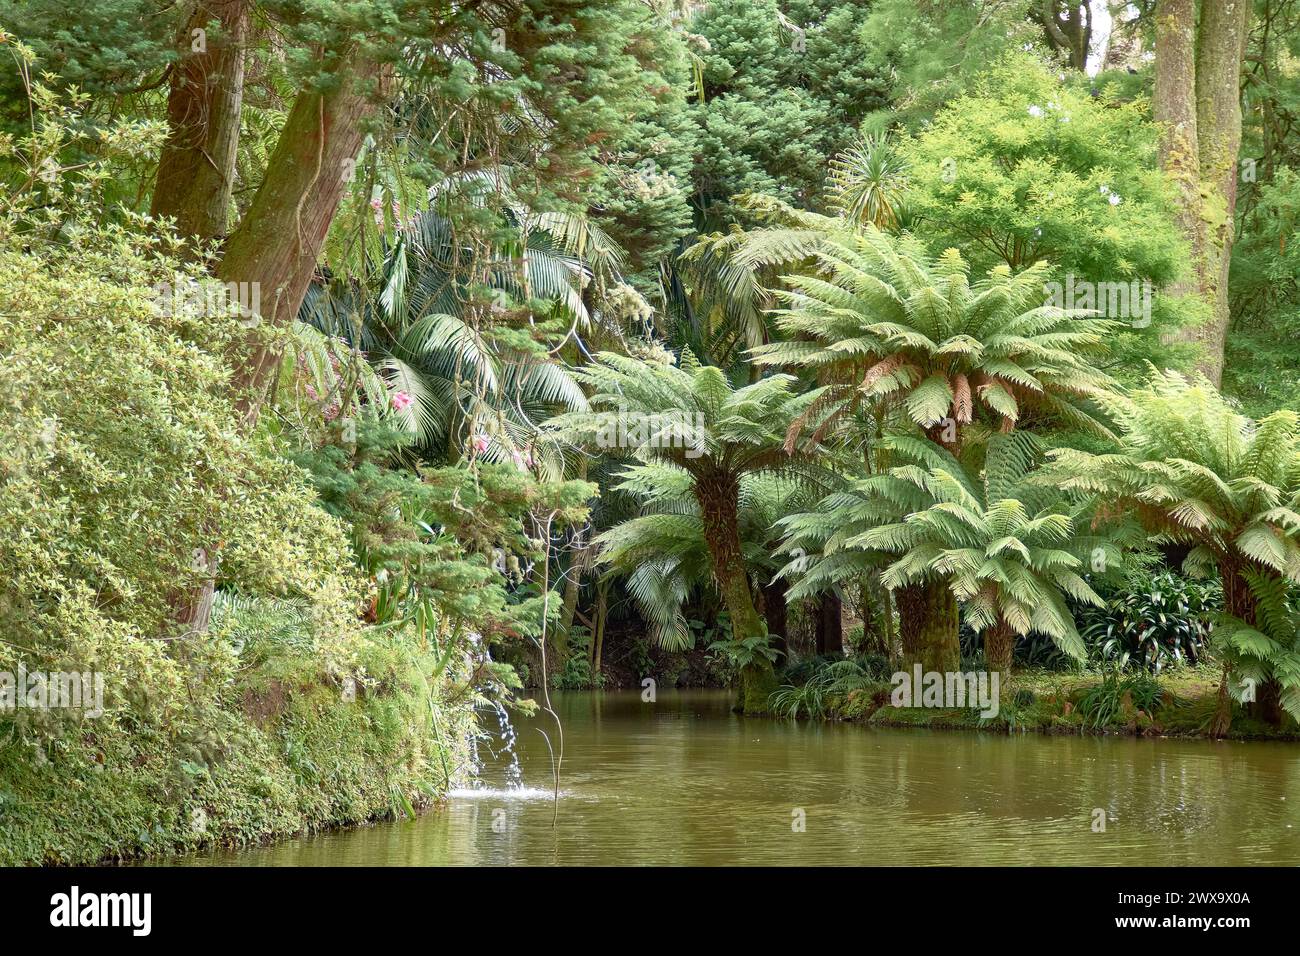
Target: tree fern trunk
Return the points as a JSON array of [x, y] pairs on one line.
[[718, 494], [1239, 601], [775, 614], [999, 645], [830, 630], [928, 626]]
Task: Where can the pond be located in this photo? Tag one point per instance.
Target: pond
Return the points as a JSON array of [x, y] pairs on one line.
[[682, 780]]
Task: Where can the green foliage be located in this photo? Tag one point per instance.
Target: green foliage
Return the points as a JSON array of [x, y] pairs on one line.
[[1267, 647], [455, 537], [1025, 169], [1199, 473], [889, 325], [934, 50], [663, 551], [120, 458], [576, 674], [742, 653], [690, 415], [827, 687], [473, 377], [934, 517], [1155, 621], [1265, 290], [1119, 697], [784, 89]]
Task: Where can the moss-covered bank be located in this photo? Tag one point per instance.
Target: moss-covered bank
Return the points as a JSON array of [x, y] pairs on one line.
[[271, 750], [1181, 704]]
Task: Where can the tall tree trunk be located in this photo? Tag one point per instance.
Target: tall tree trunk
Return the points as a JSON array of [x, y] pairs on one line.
[[887, 607], [1073, 35], [1221, 46], [196, 171], [928, 626], [718, 494], [568, 608], [196, 174], [830, 633], [1174, 108], [1198, 104], [278, 241], [572, 585]]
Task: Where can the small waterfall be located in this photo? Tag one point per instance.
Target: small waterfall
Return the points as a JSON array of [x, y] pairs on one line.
[[499, 751], [493, 768]]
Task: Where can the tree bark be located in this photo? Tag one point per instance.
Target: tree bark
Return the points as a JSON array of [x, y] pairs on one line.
[[277, 243], [196, 174], [1073, 35], [1197, 102], [999, 645], [196, 171], [830, 633], [1174, 108], [568, 608], [928, 626], [718, 494], [1221, 45]]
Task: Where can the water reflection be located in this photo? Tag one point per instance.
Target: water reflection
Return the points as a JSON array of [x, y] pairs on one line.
[[685, 781]]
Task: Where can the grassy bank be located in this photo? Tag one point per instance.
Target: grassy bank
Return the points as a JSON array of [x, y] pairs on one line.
[[1179, 703], [268, 746]]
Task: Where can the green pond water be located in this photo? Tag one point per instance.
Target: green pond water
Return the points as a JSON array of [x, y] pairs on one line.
[[684, 781]]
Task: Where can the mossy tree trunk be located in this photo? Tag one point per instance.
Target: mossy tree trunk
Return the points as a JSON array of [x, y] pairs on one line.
[[572, 586], [1197, 101], [718, 494], [278, 241], [928, 626], [196, 175], [196, 170], [568, 608], [598, 638]]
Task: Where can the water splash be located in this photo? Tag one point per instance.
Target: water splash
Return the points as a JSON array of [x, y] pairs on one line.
[[501, 753]]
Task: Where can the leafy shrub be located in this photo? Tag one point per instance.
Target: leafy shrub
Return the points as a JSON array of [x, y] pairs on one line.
[[120, 457], [1159, 619], [576, 673], [1119, 697], [829, 681]]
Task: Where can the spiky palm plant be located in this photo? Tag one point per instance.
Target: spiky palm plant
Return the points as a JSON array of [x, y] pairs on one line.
[[413, 319], [725, 278], [692, 417], [868, 182], [882, 322], [970, 532], [1198, 473]]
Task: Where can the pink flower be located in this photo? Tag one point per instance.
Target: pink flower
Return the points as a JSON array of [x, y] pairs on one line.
[[481, 442], [401, 401]]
